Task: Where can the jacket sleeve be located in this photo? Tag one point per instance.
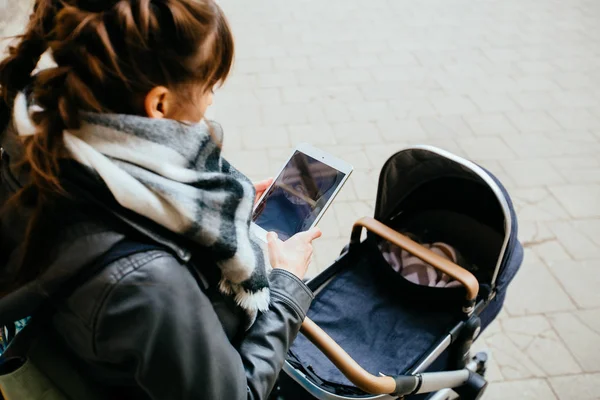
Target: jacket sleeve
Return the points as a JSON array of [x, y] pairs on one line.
[[158, 323]]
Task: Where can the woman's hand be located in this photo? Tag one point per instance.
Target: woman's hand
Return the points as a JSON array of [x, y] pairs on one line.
[[261, 187], [293, 255]]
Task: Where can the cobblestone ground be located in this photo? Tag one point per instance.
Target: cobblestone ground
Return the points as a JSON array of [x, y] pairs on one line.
[[511, 84]]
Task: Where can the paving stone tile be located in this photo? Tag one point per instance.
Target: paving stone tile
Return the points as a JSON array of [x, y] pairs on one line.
[[365, 183], [299, 94], [551, 252], [506, 54], [576, 119], [225, 99], [369, 111], [276, 114], [590, 228], [531, 173], [268, 96], [361, 60], [356, 133], [534, 290], [254, 163], [276, 79], [253, 65], [314, 133], [344, 93], [329, 224], [581, 334], [236, 116], [265, 137], [453, 105], [398, 58], [354, 154], [335, 112], [551, 145], [349, 212], [490, 125], [445, 127], [492, 103], [578, 244], [534, 232], [580, 279], [326, 250], [580, 174], [535, 337], [536, 101], [411, 107], [536, 67], [580, 201], [530, 389], [537, 204], [536, 83], [582, 387], [577, 98], [395, 130], [352, 75], [572, 80], [290, 63], [532, 121], [485, 148], [512, 362], [457, 85], [313, 77], [498, 84]]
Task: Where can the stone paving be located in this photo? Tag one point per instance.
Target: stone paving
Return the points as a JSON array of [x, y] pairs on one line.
[[511, 84]]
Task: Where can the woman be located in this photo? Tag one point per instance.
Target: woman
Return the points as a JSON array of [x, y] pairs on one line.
[[110, 146]]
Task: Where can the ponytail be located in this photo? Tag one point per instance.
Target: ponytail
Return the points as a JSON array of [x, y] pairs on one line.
[[16, 69]]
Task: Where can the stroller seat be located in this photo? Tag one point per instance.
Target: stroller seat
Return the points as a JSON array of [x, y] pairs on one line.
[[383, 321]]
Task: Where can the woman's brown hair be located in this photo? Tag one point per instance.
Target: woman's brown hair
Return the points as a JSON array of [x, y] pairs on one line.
[[109, 54]]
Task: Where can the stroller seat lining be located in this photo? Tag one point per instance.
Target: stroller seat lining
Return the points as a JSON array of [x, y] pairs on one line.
[[383, 321], [477, 242]]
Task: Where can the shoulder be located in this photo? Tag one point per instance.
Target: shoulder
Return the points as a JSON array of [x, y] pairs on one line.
[[141, 280]]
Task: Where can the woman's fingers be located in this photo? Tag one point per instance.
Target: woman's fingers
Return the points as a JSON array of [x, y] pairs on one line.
[[260, 188], [263, 185], [274, 249], [310, 235]]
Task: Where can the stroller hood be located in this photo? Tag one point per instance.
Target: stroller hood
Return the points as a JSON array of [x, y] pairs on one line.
[[473, 189]]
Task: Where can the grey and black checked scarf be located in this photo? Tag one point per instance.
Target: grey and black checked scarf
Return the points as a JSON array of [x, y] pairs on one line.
[[173, 174]]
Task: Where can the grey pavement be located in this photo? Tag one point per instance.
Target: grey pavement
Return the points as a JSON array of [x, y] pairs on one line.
[[511, 84]]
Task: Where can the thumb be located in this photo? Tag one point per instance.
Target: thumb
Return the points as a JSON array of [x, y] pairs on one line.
[[311, 234], [273, 247], [263, 185]]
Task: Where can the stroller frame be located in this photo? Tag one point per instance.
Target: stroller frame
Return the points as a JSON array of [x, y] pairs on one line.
[[463, 334]]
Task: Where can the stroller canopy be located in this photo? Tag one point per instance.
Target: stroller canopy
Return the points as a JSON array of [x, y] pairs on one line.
[[458, 194]]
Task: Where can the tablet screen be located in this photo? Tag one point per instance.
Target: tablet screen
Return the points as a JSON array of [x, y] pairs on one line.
[[297, 196]]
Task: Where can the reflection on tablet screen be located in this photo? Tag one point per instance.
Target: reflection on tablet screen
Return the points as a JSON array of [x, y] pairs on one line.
[[297, 197]]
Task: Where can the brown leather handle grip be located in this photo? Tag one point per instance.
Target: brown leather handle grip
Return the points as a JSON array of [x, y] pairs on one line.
[[355, 373], [466, 278]]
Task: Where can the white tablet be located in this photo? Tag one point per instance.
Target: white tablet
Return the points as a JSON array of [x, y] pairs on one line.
[[300, 194]]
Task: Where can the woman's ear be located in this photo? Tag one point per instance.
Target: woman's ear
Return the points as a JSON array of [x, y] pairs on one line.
[[157, 102]]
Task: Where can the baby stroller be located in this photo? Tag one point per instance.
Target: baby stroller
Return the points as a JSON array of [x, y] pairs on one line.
[[371, 333]]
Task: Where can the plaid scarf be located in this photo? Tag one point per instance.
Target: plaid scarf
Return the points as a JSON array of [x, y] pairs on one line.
[[173, 173]]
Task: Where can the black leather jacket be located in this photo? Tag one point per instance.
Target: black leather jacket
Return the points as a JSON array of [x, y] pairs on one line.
[[151, 325]]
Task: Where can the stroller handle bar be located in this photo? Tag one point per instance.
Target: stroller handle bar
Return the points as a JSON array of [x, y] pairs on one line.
[[400, 385], [466, 278]]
